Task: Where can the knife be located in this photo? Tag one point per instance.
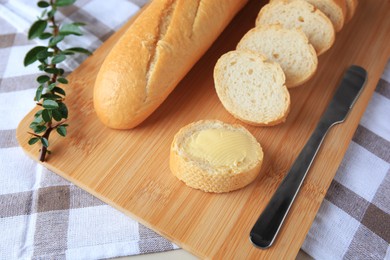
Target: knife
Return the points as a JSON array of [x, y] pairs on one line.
[[268, 225]]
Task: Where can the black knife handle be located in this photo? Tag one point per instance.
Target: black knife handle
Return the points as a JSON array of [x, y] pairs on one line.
[[267, 226]]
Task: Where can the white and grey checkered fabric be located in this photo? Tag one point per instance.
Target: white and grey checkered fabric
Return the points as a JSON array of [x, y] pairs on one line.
[[43, 216], [354, 219]]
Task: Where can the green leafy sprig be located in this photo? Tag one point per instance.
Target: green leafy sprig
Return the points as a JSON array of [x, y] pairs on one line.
[[49, 94]]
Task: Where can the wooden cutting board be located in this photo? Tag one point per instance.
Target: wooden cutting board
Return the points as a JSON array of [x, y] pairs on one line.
[[129, 169]]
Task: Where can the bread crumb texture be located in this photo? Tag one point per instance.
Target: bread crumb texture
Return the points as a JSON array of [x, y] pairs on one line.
[[300, 15], [335, 10], [251, 88], [288, 47]]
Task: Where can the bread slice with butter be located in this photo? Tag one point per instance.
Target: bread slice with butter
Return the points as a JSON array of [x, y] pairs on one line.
[[300, 14], [288, 47], [252, 88], [214, 156]]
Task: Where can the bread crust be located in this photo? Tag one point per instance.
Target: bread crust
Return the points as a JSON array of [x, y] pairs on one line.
[[338, 6], [154, 54], [273, 123], [351, 8], [197, 177]]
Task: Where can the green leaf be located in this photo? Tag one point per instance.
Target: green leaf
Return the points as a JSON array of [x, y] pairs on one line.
[[38, 113], [50, 104], [62, 80], [37, 29], [46, 115], [61, 72], [43, 13], [79, 50], [33, 140], [63, 109], [51, 86], [41, 67], [31, 55], [33, 125], [59, 91], [43, 78], [51, 96], [65, 2], [61, 130], [38, 93], [42, 55], [56, 39], [79, 23], [57, 59], [43, 4], [52, 70], [39, 129], [45, 35], [57, 115], [66, 52], [51, 13], [37, 120], [65, 125], [70, 28], [45, 142]]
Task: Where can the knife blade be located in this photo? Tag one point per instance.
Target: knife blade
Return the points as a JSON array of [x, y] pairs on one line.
[[266, 228]]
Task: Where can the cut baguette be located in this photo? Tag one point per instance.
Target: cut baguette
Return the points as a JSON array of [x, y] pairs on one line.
[[154, 54], [251, 88], [300, 14], [288, 47], [204, 175], [335, 9]]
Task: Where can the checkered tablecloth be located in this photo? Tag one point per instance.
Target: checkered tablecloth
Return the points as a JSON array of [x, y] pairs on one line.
[[43, 216]]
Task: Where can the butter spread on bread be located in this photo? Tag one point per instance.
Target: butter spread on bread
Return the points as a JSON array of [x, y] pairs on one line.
[[215, 157], [221, 147]]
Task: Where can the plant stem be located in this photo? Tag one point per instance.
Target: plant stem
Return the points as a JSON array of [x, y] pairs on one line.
[[53, 79], [46, 135], [50, 95]]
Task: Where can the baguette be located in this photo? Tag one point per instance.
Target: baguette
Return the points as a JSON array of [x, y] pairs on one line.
[[154, 54], [251, 88], [215, 157]]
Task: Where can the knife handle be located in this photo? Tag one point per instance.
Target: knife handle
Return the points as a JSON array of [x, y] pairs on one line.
[[267, 226]]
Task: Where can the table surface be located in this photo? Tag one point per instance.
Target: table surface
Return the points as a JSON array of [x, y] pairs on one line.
[[26, 188]]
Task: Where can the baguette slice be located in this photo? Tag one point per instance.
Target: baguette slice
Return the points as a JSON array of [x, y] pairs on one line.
[[198, 171], [300, 14], [351, 8], [336, 10], [154, 54], [288, 47], [251, 88]]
